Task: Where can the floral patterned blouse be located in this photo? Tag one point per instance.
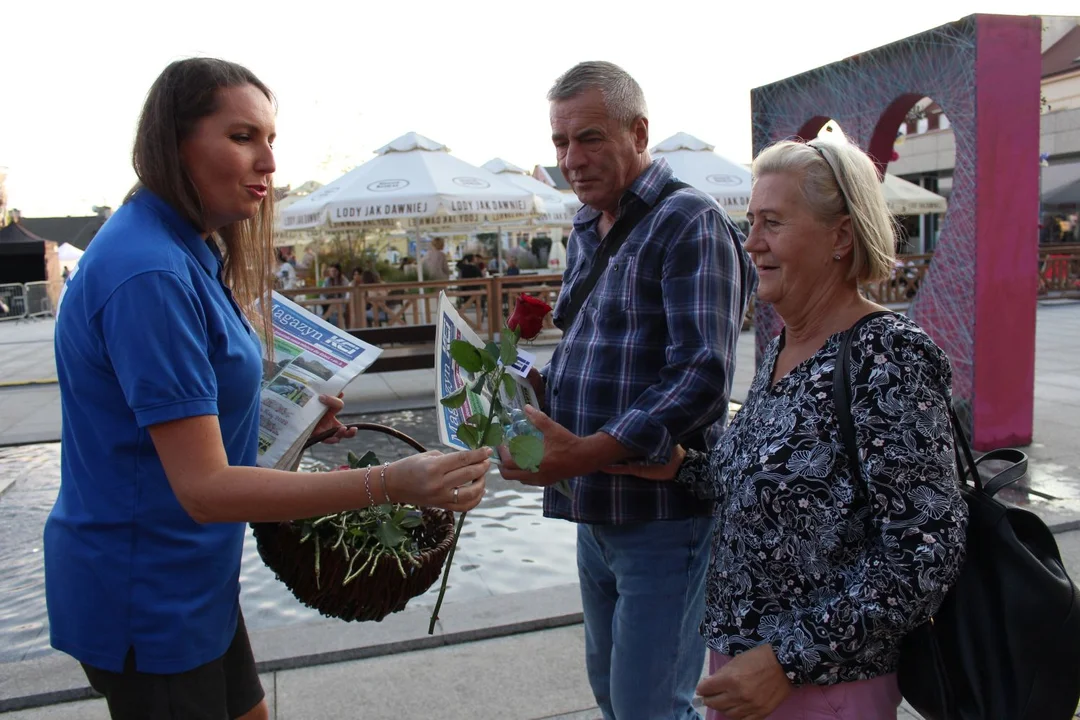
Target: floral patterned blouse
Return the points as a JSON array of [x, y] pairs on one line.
[[833, 576]]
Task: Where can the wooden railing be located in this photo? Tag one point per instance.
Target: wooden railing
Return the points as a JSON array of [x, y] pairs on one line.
[[416, 303], [1059, 272], [1059, 276], [899, 289]]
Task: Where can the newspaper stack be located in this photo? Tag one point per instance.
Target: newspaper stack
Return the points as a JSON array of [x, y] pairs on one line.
[[310, 357]]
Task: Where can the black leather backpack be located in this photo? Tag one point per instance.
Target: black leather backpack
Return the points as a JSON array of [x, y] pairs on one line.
[[1005, 644]]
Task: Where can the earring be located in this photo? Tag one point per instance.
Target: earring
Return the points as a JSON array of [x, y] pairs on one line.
[[835, 257]]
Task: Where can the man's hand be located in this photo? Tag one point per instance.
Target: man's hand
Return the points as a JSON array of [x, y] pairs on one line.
[[537, 381], [562, 450], [749, 687], [565, 454]]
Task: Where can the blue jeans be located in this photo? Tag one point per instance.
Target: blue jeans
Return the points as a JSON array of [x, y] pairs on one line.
[[643, 593]]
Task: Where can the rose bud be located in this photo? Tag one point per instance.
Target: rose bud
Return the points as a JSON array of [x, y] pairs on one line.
[[528, 316]]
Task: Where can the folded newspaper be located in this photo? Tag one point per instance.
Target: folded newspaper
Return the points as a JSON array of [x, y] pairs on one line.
[[450, 377], [310, 357]]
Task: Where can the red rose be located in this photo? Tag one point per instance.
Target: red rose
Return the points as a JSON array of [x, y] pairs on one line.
[[528, 316]]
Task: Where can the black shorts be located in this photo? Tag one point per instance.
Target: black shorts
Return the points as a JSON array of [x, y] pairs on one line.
[[221, 689]]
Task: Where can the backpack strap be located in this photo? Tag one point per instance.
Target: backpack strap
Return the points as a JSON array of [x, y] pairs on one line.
[[842, 396], [966, 465], [609, 246], [1018, 466]]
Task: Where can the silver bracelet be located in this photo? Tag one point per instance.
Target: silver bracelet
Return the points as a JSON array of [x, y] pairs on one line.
[[382, 476], [367, 486]]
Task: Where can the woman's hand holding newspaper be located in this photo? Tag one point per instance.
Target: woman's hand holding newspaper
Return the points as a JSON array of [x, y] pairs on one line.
[[330, 421]]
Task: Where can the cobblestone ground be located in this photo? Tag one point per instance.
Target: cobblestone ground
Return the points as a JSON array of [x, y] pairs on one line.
[[418, 424]]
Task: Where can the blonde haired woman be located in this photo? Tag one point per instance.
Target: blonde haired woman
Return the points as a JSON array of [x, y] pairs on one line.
[[814, 580]]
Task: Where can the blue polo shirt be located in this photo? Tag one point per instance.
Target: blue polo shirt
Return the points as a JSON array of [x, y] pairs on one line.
[[146, 333]]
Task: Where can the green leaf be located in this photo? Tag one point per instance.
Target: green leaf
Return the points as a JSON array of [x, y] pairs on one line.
[[493, 349], [454, 400], [353, 460], [509, 386], [466, 355], [494, 435], [490, 361], [390, 534], [368, 460], [469, 435], [527, 451], [508, 351], [478, 386]]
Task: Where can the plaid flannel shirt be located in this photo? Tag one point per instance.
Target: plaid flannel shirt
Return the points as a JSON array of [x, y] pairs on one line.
[[650, 356]]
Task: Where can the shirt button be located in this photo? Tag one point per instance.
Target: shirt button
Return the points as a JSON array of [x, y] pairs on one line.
[[555, 392]]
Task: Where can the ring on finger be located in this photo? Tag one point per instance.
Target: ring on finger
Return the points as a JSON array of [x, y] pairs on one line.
[[455, 494]]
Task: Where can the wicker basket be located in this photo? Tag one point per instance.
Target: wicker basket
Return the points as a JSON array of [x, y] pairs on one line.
[[370, 596]]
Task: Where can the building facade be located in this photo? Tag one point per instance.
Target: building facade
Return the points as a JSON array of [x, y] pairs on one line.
[[926, 149]]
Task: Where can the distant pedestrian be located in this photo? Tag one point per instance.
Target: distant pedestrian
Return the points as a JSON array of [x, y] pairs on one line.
[[285, 273], [435, 264], [512, 268]]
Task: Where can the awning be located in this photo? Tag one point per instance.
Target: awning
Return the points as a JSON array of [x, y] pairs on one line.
[[907, 198], [1061, 186]]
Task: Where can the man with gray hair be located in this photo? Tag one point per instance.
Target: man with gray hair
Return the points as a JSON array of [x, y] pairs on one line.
[[653, 298]]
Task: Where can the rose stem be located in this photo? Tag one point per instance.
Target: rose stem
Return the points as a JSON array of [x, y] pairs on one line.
[[461, 519]]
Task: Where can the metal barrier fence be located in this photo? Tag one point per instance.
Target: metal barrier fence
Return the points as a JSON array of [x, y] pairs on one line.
[[38, 302], [12, 301], [25, 300]]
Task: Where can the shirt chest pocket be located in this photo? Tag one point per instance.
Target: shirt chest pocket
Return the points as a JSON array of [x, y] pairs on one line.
[[615, 291]]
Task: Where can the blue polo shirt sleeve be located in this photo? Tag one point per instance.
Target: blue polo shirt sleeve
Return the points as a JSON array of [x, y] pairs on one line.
[[154, 330]]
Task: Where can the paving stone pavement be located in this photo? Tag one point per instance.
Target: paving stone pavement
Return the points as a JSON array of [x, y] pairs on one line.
[[532, 676], [538, 674]]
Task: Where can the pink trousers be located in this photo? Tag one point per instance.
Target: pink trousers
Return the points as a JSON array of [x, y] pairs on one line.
[[875, 699]]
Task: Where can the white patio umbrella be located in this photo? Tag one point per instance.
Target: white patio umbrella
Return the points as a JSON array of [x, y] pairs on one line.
[[907, 198], [694, 162], [413, 182], [282, 236], [557, 255], [68, 255], [558, 213]]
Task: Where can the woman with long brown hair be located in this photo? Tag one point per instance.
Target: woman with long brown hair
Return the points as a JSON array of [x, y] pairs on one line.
[[156, 330]]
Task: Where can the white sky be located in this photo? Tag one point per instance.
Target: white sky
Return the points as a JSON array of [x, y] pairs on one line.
[[351, 76]]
